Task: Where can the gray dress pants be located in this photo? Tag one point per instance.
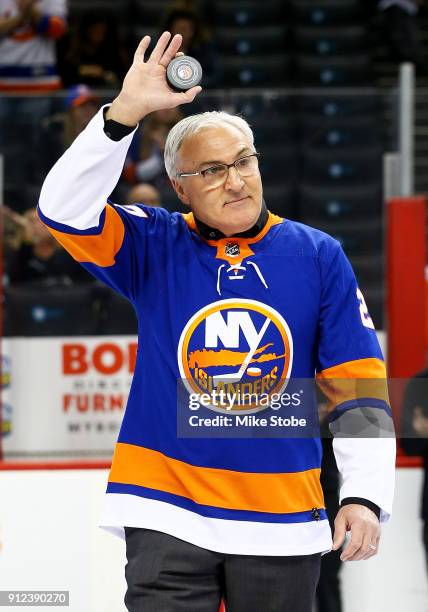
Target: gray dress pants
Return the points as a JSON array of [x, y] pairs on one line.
[[165, 574]]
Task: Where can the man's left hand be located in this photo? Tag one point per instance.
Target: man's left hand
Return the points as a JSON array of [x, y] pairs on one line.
[[365, 532]]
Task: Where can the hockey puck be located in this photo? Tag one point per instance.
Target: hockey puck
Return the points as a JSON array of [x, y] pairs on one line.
[[254, 371], [183, 73]]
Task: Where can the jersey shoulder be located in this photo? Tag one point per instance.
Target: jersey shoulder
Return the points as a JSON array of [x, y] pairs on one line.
[[145, 219], [308, 241]]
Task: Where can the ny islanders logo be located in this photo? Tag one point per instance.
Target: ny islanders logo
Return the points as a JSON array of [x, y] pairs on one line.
[[241, 349]]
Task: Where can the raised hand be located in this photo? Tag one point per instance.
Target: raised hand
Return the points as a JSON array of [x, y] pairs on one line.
[[145, 88]]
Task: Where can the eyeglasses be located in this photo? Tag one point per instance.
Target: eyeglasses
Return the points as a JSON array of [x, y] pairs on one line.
[[217, 175]]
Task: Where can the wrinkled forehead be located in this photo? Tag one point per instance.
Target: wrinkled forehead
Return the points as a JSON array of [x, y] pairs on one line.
[[218, 144]]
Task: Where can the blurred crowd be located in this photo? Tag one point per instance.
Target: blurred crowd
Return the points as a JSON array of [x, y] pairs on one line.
[[44, 49], [31, 254]]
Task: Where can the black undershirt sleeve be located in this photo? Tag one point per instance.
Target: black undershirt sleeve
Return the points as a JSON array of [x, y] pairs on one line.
[[114, 130], [362, 502]]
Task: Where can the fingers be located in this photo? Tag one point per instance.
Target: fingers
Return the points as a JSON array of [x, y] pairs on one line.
[[189, 95], [160, 48], [373, 549], [171, 51], [141, 49], [363, 544], [365, 548], [339, 533], [354, 544], [159, 55]]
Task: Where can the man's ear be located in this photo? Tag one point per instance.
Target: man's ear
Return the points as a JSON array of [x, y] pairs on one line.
[[178, 188]]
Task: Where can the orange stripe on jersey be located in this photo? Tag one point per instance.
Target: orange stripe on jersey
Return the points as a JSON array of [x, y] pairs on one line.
[[371, 367], [354, 379], [56, 27], [276, 493], [100, 249]]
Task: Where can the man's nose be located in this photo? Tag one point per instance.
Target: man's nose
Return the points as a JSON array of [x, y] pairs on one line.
[[234, 181]]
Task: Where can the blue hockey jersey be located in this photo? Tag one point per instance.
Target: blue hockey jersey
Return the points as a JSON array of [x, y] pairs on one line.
[[222, 324]]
